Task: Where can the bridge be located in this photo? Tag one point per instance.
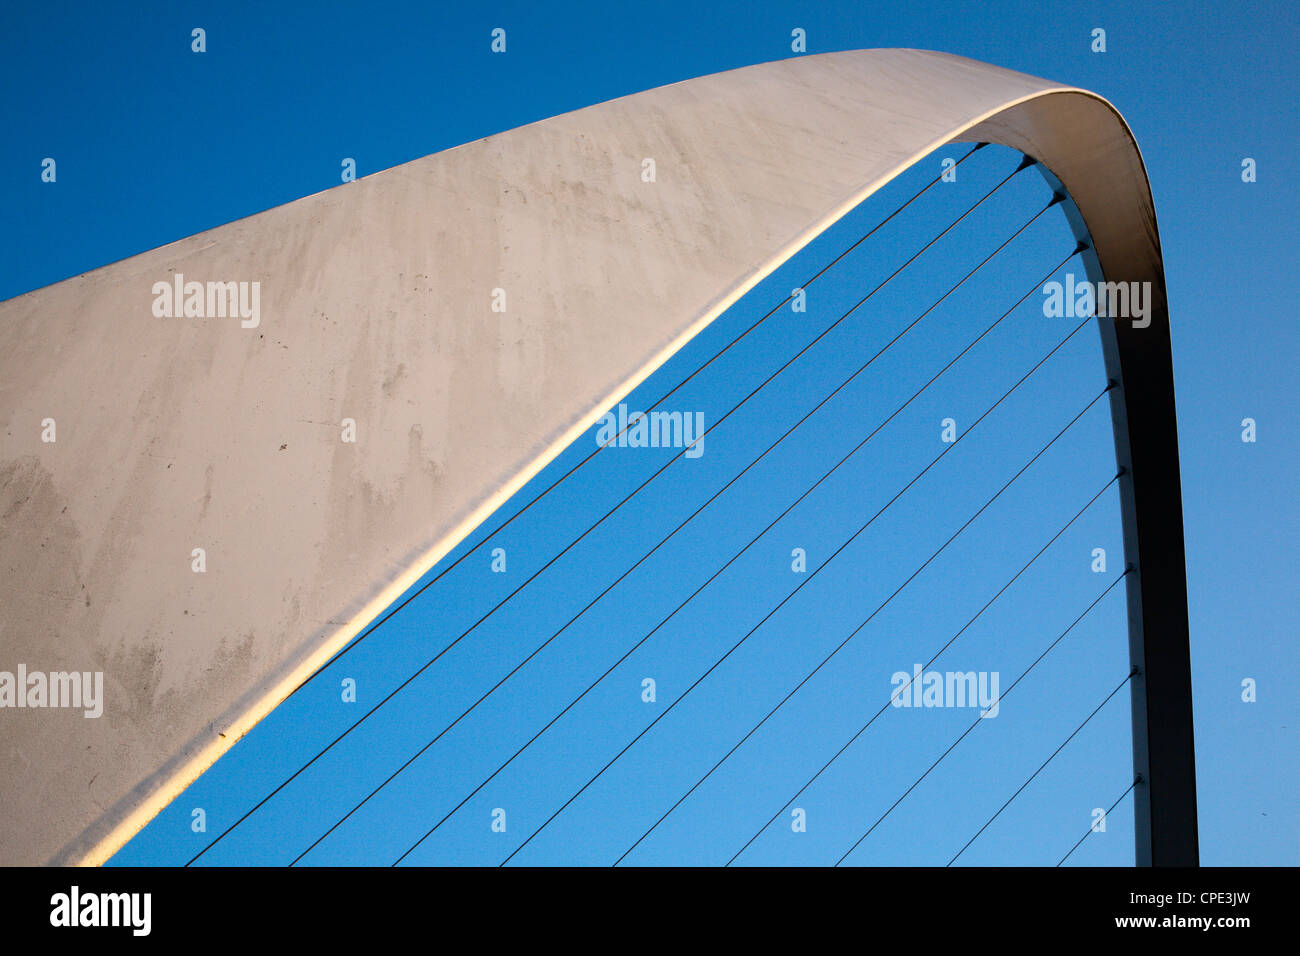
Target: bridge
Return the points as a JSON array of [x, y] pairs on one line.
[[184, 512]]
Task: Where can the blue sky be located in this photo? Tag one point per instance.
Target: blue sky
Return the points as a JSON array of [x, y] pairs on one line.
[[154, 143]]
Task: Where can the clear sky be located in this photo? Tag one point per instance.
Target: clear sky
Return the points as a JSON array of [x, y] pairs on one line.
[[154, 142]]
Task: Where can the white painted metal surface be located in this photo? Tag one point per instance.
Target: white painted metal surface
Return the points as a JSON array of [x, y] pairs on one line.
[[183, 433]]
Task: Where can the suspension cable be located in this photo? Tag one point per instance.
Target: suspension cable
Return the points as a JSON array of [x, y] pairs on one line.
[[614, 439], [692, 516], [1131, 674], [882, 606], [1023, 165], [980, 718], [811, 576], [1136, 780]]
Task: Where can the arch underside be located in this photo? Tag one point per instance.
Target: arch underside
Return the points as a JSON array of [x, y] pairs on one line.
[[375, 305]]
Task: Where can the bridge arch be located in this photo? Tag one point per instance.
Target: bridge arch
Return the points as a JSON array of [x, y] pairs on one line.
[[388, 280]]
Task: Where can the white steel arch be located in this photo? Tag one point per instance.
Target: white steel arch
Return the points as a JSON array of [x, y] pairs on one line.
[[199, 432]]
